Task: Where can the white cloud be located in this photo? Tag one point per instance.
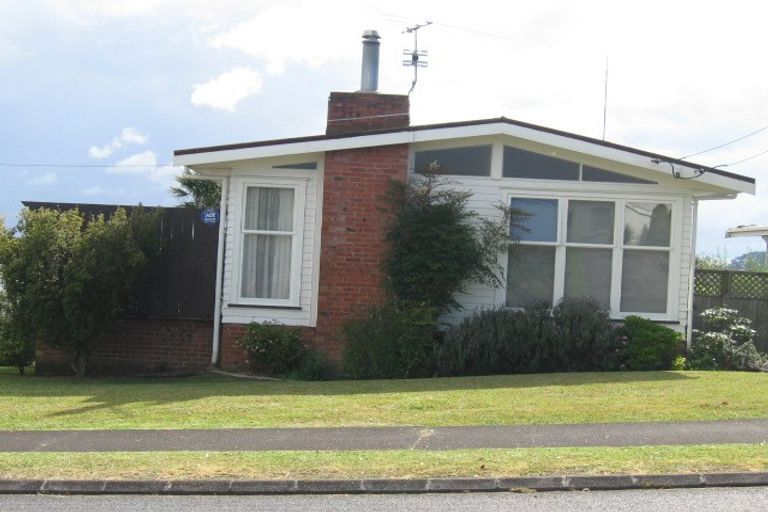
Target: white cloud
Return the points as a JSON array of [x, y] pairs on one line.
[[270, 36], [127, 137], [145, 165], [93, 191], [138, 164], [48, 178], [226, 90]]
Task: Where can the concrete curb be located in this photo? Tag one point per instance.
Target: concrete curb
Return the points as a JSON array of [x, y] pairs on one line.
[[383, 486]]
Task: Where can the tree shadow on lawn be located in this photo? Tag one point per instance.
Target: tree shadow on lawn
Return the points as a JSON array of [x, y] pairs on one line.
[[105, 393], [95, 394]]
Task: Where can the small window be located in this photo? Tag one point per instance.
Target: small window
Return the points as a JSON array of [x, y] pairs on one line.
[[268, 240], [590, 222], [647, 224], [302, 165], [541, 223], [525, 164], [531, 275], [589, 173], [467, 161]]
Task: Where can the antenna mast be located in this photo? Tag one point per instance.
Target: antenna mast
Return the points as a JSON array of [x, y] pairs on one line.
[[415, 53]]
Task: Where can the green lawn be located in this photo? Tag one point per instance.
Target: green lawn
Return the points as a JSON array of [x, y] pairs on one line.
[[216, 401], [385, 464]]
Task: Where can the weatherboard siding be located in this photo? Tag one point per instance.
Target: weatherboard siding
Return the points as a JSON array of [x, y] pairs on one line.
[[304, 314]]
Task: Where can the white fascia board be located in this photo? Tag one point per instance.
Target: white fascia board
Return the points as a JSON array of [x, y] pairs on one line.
[[293, 148], [726, 184]]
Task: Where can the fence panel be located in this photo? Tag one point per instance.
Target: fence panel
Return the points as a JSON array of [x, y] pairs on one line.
[[181, 283], [746, 292]]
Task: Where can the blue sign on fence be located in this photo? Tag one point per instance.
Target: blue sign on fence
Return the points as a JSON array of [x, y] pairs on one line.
[[210, 216]]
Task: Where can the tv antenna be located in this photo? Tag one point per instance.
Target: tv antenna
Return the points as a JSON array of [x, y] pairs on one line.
[[415, 54]]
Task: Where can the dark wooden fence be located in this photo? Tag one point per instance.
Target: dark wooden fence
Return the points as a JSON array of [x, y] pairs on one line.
[[746, 292], [181, 282]]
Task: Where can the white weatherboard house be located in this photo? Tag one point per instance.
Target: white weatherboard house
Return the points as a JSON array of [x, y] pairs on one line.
[[303, 241]]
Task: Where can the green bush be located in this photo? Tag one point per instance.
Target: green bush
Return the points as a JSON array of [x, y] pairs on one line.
[[70, 281], [314, 365], [727, 343], [585, 339], [273, 348], [650, 346], [390, 341], [437, 244], [576, 335]]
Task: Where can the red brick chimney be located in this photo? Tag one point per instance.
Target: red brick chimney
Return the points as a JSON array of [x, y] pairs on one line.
[[355, 181], [366, 110], [351, 112]]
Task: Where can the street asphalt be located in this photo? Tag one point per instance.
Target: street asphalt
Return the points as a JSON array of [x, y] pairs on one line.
[[388, 438]]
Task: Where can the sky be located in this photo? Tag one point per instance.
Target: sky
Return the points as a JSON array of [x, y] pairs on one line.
[[96, 95]]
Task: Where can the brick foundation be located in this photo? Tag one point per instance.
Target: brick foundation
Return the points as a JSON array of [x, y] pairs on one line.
[[141, 346]]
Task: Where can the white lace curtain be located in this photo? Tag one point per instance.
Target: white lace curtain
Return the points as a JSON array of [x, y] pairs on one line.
[[266, 269]]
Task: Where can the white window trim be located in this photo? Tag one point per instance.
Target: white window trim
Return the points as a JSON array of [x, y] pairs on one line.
[[300, 189], [673, 284]]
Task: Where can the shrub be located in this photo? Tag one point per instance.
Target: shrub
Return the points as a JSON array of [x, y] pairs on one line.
[[727, 343], [650, 346], [313, 366], [437, 244], [585, 338], [576, 335], [273, 348], [390, 341], [70, 282], [14, 350]]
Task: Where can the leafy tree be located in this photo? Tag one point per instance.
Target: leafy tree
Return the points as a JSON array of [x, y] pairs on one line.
[[70, 282], [196, 193], [437, 244], [752, 261]]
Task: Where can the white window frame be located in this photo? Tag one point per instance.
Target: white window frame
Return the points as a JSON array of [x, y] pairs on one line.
[[618, 246], [297, 243]]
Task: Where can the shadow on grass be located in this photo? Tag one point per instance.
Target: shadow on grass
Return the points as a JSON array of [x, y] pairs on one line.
[[106, 393]]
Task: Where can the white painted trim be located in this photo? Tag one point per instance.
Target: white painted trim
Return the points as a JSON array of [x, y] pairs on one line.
[[299, 186], [408, 136]]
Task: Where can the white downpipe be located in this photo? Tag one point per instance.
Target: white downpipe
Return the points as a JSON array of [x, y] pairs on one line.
[[219, 272], [692, 274]]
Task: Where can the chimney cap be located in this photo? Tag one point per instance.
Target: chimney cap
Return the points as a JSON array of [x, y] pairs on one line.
[[371, 34]]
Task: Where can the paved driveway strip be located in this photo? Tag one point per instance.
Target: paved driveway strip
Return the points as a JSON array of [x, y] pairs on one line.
[[388, 438]]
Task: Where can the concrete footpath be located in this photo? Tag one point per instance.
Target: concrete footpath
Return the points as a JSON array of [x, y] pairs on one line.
[[388, 438]]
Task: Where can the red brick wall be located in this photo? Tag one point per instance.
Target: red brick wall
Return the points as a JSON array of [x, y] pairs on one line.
[[142, 346], [352, 237], [233, 358], [353, 228], [350, 112]]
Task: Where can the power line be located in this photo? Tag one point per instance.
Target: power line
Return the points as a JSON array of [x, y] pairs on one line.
[[475, 31], [726, 143], [744, 159], [84, 166]]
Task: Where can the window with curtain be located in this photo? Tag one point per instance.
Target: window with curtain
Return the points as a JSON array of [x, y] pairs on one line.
[[580, 247], [268, 238]]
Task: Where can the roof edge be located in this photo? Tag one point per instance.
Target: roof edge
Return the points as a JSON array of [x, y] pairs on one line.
[[458, 124]]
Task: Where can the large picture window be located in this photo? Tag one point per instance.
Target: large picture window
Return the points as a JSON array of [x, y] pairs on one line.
[[616, 251], [270, 245]]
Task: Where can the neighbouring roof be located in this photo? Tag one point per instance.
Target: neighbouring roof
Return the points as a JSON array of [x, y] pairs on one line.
[[230, 152]]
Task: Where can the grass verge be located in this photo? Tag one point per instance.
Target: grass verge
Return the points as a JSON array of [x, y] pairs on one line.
[[385, 464], [45, 403]]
